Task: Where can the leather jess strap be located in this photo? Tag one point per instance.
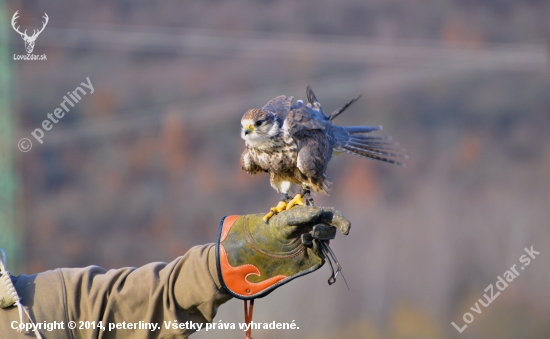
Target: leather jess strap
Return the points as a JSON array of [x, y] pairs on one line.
[[248, 318]]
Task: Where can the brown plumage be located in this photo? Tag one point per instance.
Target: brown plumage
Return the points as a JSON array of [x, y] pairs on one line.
[[294, 143]]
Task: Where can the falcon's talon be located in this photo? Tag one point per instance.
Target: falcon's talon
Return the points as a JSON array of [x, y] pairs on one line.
[[268, 216], [281, 206], [297, 200]]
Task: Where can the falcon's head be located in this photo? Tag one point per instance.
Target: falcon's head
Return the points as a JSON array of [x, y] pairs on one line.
[[258, 126]]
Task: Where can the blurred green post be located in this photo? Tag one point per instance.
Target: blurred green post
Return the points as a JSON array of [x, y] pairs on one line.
[[10, 236]]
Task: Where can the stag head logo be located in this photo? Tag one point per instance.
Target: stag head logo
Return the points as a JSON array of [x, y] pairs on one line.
[[29, 40]]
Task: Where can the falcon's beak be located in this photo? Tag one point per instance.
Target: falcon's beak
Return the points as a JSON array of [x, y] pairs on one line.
[[248, 129]]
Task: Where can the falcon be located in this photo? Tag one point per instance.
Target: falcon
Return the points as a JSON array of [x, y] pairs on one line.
[[295, 142]]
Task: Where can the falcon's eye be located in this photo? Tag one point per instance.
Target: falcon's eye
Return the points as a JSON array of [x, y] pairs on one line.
[[258, 123]]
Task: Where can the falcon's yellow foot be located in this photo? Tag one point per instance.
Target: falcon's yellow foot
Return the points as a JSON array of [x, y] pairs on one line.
[[281, 206], [297, 200]]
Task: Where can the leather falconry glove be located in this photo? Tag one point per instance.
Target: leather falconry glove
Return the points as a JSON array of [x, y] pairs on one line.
[[254, 258]]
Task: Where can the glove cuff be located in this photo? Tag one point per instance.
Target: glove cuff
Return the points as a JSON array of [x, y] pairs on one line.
[[236, 257]]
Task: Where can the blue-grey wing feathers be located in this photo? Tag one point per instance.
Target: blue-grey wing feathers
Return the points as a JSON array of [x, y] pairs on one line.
[[303, 118], [350, 139], [280, 106], [342, 109]]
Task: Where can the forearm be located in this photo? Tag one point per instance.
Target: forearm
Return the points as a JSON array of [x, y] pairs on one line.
[[186, 289]]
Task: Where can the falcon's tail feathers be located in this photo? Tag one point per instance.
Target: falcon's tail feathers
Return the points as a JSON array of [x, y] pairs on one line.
[[355, 140]]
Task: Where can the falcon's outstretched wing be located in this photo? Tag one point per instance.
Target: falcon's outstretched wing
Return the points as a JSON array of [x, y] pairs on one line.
[[355, 139]]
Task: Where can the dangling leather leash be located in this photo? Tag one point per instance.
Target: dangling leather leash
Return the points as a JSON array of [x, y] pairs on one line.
[[329, 254], [248, 317], [320, 235]]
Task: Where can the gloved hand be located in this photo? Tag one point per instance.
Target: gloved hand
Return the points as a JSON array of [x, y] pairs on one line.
[[253, 258]]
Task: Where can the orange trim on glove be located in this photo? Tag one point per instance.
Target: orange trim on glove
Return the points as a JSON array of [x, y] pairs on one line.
[[227, 223], [235, 278]]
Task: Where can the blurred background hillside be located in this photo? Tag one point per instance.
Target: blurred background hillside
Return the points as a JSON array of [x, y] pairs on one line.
[[144, 168]]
